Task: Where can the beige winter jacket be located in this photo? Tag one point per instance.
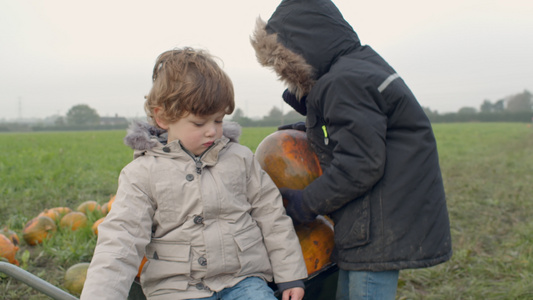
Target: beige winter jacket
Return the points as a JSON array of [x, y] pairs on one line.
[[203, 225]]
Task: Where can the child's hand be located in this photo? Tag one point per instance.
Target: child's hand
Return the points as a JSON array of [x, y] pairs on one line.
[[296, 293]]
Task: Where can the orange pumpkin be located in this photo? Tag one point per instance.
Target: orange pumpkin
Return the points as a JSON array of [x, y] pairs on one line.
[[110, 203], [289, 160], [55, 213], [143, 261], [10, 234], [51, 213], [316, 240], [62, 210], [104, 208], [73, 220], [95, 225], [38, 229], [8, 250], [88, 206], [75, 278]]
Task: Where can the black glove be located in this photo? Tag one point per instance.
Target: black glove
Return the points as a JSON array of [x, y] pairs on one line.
[[298, 126], [296, 208], [298, 105]]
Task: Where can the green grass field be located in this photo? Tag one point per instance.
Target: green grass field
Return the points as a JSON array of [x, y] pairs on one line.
[[487, 168]]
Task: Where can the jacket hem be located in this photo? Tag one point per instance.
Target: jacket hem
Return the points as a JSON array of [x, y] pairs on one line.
[[396, 265]]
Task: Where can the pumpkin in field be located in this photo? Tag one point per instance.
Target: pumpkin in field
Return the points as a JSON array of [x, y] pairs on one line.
[[88, 206], [10, 234], [38, 229], [62, 210], [73, 220], [8, 250], [51, 213], [316, 240], [75, 278], [110, 203], [95, 225], [55, 213], [289, 160], [143, 261], [104, 208]]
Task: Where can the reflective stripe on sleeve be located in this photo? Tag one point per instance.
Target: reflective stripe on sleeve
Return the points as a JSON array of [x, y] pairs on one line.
[[387, 81]]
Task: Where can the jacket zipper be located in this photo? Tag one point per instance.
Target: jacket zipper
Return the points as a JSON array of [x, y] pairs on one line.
[[326, 138], [197, 159]]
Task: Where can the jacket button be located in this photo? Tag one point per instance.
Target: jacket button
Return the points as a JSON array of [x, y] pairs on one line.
[[198, 220], [189, 177], [200, 286], [166, 149], [202, 261]]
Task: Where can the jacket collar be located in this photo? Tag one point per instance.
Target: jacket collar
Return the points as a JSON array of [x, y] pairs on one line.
[[145, 138]]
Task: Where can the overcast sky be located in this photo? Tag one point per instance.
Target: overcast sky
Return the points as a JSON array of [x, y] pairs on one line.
[[56, 54]]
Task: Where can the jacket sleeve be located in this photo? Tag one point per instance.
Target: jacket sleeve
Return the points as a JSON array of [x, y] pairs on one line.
[[277, 228], [122, 238], [356, 125], [298, 105]]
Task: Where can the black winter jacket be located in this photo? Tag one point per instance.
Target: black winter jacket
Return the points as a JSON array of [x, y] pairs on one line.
[[381, 181]]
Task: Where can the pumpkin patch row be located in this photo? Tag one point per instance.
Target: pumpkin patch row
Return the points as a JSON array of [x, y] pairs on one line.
[[46, 223]]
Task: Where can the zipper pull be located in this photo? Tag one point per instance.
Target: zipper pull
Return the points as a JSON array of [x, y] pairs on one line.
[[198, 166], [326, 139]]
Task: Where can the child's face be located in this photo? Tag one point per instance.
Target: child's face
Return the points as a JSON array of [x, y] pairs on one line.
[[195, 133]]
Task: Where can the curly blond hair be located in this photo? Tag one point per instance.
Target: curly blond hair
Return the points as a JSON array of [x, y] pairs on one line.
[[188, 81]]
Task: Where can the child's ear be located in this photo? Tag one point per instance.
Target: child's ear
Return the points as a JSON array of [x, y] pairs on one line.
[[158, 120]]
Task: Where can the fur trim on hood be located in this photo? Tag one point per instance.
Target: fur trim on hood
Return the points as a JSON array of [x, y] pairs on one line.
[[292, 69], [143, 136]]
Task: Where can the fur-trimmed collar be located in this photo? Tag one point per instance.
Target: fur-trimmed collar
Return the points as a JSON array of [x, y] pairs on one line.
[[143, 136], [292, 69]]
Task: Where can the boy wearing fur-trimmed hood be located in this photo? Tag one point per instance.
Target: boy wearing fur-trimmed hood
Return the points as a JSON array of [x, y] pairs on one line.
[[193, 201], [381, 181]]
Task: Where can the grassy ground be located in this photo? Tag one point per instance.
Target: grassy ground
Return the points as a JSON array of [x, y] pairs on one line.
[[487, 169]]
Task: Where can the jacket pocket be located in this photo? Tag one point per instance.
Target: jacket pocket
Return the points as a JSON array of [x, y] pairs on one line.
[[352, 224], [168, 267], [168, 194], [252, 252]]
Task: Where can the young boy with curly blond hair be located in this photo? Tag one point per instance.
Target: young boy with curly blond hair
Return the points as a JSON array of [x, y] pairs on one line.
[[194, 201]]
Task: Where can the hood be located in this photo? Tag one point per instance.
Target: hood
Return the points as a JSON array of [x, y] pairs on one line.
[[301, 40], [143, 136]]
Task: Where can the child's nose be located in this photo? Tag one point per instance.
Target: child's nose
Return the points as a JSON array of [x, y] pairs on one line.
[[212, 130]]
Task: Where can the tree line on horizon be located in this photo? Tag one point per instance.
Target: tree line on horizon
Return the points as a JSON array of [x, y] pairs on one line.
[[515, 108]]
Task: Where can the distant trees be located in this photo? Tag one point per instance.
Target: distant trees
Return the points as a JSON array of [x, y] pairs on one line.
[[515, 108], [275, 114], [467, 111], [275, 117], [239, 117], [488, 107], [78, 117], [82, 114], [520, 102]]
